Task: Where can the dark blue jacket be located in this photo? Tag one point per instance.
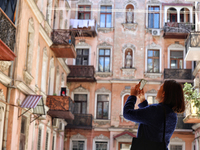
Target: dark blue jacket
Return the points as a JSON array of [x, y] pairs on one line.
[[152, 119]]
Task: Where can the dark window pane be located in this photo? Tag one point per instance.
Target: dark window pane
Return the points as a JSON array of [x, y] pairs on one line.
[[105, 110], [99, 110]]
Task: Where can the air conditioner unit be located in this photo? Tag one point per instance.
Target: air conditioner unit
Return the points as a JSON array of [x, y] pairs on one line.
[[55, 123], [196, 82], [155, 32]]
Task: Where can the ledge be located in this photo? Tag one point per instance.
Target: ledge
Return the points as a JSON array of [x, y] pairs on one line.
[[128, 71], [64, 65], [102, 121], [28, 77], [24, 88], [152, 75], [4, 65], [103, 74], [4, 79], [105, 30], [130, 26], [45, 36]]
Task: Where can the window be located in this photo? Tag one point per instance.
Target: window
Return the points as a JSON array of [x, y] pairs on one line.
[[23, 134], [124, 145], [82, 57], [39, 139], [154, 17], [172, 15], [53, 143], [101, 145], [47, 141], [151, 99], [84, 12], [106, 17], [78, 145], [176, 59], [153, 63], [104, 60], [176, 147], [102, 106], [80, 103]]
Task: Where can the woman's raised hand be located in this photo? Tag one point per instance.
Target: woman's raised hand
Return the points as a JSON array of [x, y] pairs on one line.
[[135, 90]]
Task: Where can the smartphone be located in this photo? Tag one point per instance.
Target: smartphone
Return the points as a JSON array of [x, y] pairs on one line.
[[142, 83]]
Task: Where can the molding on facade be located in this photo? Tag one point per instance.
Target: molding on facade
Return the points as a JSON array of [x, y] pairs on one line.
[[101, 122], [105, 2], [103, 74], [130, 2], [176, 139], [45, 36], [152, 91], [153, 46], [84, 2], [104, 44], [78, 136], [105, 30], [153, 2], [47, 28], [80, 89], [176, 46], [125, 91], [153, 75], [124, 137], [4, 65], [101, 137], [27, 77], [2, 97], [64, 65], [196, 126], [128, 46], [103, 90], [128, 72], [130, 26], [82, 44], [36, 11], [24, 88], [4, 79]]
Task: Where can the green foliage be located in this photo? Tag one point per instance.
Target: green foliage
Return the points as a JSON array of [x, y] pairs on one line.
[[192, 95], [54, 94]]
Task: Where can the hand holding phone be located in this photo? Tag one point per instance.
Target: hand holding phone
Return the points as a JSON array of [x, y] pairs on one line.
[[142, 83]]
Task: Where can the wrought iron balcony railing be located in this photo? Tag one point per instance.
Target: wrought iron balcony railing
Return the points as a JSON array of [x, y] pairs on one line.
[[7, 30], [184, 74], [80, 73], [81, 121]]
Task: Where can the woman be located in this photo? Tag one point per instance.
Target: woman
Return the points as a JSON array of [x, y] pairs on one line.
[[170, 95]]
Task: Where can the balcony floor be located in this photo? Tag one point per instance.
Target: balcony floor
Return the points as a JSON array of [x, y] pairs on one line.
[[193, 54]]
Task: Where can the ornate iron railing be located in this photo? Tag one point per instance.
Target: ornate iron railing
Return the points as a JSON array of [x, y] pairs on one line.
[[185, 74], [83, 121], [81, 72], [193, 40], [174, 27], [7, 30], [62, 36]]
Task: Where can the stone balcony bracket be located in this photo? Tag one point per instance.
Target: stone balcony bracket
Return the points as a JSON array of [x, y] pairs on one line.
[[27, 77], [4, 65], [130, 26]]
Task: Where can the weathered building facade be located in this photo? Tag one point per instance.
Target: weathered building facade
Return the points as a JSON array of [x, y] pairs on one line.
[[117, 44]]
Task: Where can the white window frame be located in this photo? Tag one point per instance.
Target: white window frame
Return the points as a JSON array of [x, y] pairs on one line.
[[153, 47], [54, 135], [95, 109], [176, 47], [88, 3], [49, 11], [88, 98], [101, 138], [122, 108], [41, 126], [57, 90], [78, 137], [150, 94], [48, 131], [147, 14], [111, 58], [177, 141]]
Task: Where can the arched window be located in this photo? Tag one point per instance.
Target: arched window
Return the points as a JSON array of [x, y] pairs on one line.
[[184, 15], [129, 13], [171, 15], [30, 45]]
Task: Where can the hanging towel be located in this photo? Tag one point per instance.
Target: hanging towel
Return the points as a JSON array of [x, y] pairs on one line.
[[91, 23], [85, 23], [80, 25]]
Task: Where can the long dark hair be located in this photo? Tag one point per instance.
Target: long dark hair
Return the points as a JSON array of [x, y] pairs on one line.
[[174, 95]]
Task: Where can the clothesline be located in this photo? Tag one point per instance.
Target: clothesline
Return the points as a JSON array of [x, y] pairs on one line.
[[79, 23]]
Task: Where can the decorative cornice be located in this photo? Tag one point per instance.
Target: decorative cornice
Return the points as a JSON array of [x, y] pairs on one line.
[[104, 44], [130, 26], [101, 122], [64, 65], [125, 91], [153, 46], [130, 2], [80, 89], [2, 97], [105, 2], [176, 46], [4, 65], [47, 28], [80, 2], [128, 45], [153, 75], [36, 10], [4, 79], [176, 139], [128, 72], [82, 44], [24, 88], [27, 77], [101, 137], [103, 74], [124, 137], [152, 91], [45, 36], [105, 30], [78, 136], [103, 90]]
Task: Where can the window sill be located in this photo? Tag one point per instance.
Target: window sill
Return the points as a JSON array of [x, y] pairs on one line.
[[102, 121], [103, 74], [130, 26], [152, 75], [105, 30]]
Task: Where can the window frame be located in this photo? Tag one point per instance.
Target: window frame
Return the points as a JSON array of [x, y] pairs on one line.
[[54, 143], [153, 12], [106, 13], [47, 144], [153, 58], [77, 101], [104, 56], [82, 56], [78, 137], [177, 60], [84, 12], [102, 102], [176, 141], [150, 94], [102, 139], [41, 126], [147, 14]]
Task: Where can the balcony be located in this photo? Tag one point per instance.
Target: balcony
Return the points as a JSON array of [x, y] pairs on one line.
[[60, 107], [81, 121], [180, 74], [192, 46], [181, 125], [176, 30], [63, 45], [81, 74], [191, 114], [7, 38], [83, 28]]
